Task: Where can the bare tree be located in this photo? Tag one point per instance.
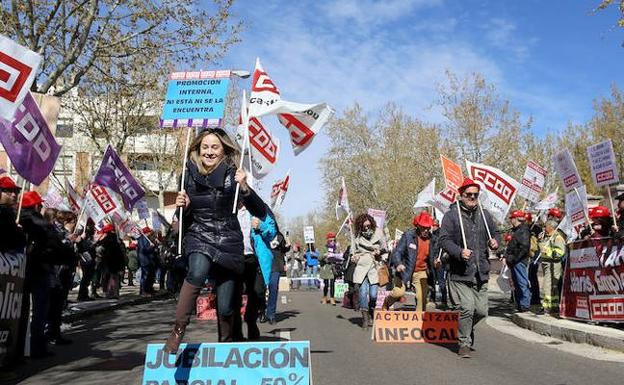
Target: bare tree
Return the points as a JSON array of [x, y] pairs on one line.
[[77, 36]]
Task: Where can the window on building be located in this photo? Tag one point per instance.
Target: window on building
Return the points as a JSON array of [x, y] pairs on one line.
[[64, 128], [64, 166]]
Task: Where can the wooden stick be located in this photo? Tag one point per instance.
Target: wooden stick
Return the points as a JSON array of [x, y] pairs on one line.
[[487, 227], [245, 145], [19, 204], [181, 216], [612, 208], [461, 224]]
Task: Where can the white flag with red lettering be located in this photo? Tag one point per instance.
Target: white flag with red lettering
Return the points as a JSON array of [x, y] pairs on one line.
[[442, 201], [75, 200], [264, 147], [500, 189], [342, 205], [102, 202], [303, 121], [278, 192]]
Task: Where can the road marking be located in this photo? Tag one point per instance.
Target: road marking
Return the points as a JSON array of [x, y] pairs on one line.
[[284, 300], [285, 335]]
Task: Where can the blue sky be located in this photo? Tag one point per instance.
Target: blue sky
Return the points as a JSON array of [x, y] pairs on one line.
[[551, 59]]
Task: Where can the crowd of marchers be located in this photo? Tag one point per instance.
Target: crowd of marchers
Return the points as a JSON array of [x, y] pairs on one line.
[[61, 257], [448, 267]]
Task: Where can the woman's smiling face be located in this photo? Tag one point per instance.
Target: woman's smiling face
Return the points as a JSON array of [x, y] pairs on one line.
[[211, 151]]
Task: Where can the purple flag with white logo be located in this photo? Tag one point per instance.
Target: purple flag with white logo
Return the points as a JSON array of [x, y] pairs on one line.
[[29, 143], [114, 174]]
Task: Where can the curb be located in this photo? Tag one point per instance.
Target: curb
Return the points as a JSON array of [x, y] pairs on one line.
[[602, 337], [86, 313]]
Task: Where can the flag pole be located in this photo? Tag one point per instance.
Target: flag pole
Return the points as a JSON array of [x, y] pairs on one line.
[[487, 227], [612, 208], [245, 145], [181, 216], [461, 224], [19, 204]]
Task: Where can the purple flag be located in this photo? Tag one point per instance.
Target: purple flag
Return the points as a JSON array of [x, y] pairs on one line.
[[29, 143], [114, 174]]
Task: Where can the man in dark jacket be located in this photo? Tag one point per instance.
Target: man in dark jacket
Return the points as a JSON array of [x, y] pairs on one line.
[[517, 259], [411, 257], [146, 251], [466, 241]]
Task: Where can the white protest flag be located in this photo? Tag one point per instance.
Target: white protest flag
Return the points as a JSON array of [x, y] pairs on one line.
[[442, 201], [342, 205], [278, 192], [532, 182], [101, 202], [54, 200], [567, 171], [303, 121], [576, 206], [426, 196], [75, 200], [547, 203], [264, 147], [18, 68], [500, 189]]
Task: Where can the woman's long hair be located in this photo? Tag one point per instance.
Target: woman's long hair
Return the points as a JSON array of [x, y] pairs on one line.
[[231, 152], [359, 223]]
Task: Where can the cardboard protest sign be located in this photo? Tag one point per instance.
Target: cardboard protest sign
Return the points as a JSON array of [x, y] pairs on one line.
[[567, 171], [18, 68], [12, 276], [340, 288], [593, 283], [426, 196], [532, 182], [30, 145], [500, 189], [379, 216], [142, 209], [262, 363], [602, 163], [415, 327], [453, 176], [53, 199], [195, 99], [576, 209], [308, 234]]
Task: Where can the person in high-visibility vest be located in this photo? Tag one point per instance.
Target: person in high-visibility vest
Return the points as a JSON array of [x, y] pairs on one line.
[[552, 249]]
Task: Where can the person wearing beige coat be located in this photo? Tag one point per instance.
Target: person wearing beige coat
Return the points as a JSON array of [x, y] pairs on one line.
[[369, 252]]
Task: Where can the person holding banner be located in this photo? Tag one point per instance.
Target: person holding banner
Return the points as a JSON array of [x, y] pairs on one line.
[[469, 266], [213, 241], [369, 251]]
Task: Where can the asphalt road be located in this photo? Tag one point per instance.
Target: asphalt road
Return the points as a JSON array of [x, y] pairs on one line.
[[109, 349]]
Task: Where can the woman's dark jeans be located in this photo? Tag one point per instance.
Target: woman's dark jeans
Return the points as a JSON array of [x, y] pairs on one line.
[[227, 282]]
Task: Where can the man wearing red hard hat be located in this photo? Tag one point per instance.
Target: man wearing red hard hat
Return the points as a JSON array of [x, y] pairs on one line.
[[517, 259], [467, 242], [411, 256], [8, 192]]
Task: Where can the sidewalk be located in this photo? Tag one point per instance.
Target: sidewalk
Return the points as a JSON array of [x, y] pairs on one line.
[[128, 296], [607, 337]]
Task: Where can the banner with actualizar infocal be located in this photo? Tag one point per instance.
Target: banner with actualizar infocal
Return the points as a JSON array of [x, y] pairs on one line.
[[498, 189]]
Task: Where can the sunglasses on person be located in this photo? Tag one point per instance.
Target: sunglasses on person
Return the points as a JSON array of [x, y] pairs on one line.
[[471, 195]]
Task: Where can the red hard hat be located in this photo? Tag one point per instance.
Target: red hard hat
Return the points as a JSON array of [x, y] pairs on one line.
[[330, 235], [468, 183], [529, 217], [507, 237], [108, 228], [132, 246], [599, 212], [146, 230], [6, 183], [517, 214], [555, 212], [31, 199], [423, 219]]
